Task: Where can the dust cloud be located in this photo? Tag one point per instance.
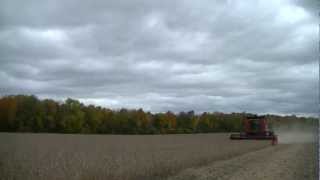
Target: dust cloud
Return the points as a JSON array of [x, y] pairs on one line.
[[295, 134]]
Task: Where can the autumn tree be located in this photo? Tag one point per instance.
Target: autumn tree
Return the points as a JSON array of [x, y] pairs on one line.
[[8, 110], [23, 113]]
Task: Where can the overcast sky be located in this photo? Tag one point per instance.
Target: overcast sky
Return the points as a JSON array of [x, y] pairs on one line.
[[207, 55]]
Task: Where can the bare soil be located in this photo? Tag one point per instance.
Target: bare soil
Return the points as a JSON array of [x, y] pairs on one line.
[[284, 162]]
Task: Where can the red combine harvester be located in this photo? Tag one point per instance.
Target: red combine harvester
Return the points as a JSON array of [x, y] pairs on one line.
[[256, 127]]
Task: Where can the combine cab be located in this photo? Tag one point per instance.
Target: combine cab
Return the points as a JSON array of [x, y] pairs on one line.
[[256, 127]]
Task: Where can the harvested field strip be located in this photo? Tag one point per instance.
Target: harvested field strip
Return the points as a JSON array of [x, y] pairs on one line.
[[285, 162]]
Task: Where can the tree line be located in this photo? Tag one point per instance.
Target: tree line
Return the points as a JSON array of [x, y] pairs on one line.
[[24, 113]]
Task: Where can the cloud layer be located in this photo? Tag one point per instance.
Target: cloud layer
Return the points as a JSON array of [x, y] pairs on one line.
[[180, 55]]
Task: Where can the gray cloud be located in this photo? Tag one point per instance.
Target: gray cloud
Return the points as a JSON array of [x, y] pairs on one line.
[[204, 55]]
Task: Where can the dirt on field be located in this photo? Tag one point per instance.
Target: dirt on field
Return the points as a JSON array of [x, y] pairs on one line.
[[284, 162], [294, 158], [124, 157]]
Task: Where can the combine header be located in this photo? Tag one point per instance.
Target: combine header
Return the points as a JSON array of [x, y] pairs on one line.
[[256, 127]]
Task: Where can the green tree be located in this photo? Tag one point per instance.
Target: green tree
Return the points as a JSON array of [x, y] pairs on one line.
[[72, 116]]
